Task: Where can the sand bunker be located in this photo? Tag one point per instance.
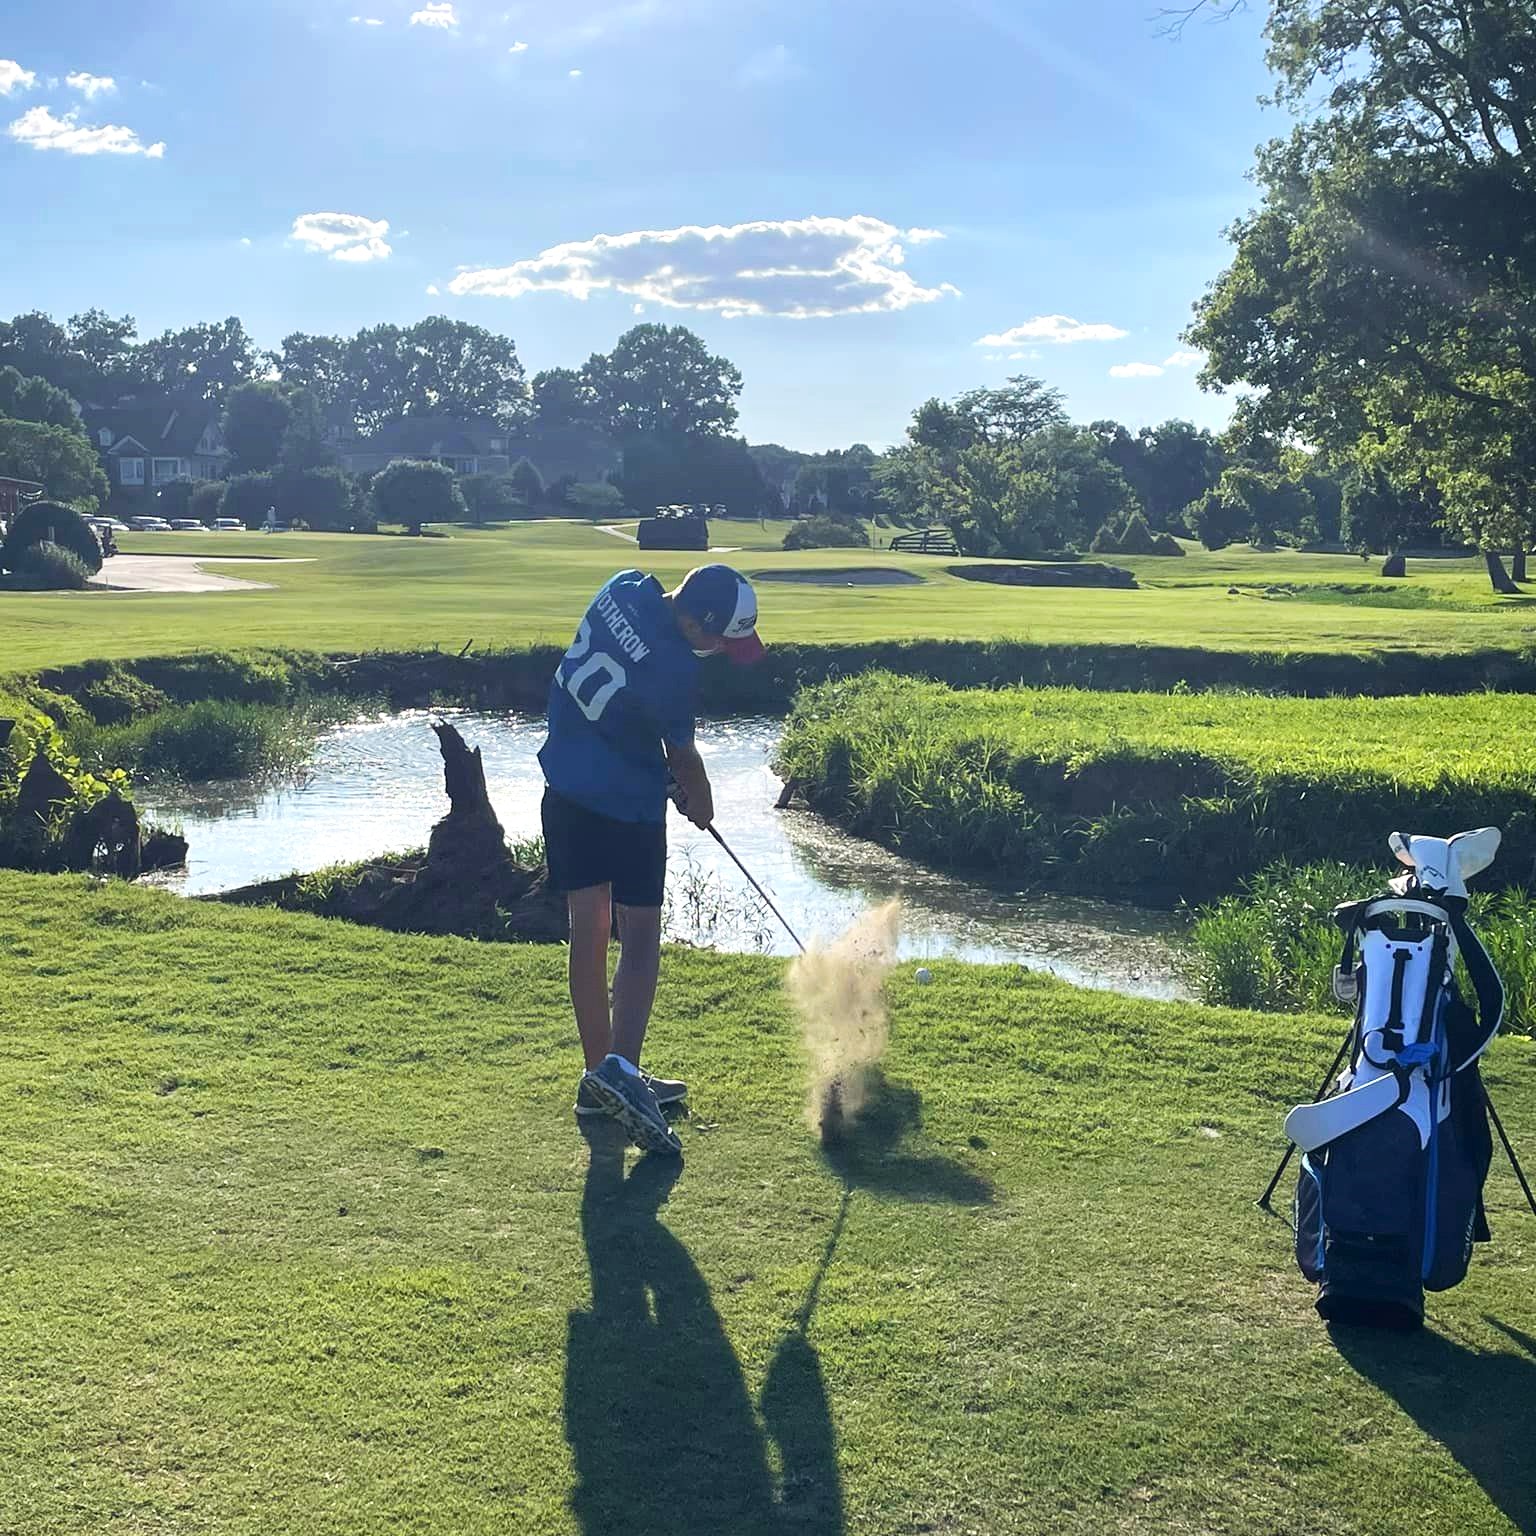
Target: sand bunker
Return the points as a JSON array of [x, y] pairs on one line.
[[862, 577]]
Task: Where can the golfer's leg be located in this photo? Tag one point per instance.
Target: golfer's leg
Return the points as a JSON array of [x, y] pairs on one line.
[[634, 982], [591, 923]]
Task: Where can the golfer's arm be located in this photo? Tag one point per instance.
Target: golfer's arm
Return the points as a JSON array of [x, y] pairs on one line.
[[688, 769]]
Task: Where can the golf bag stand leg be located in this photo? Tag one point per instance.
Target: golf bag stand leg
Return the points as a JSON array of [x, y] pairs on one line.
[[1514, 1162], [1290, 1147]]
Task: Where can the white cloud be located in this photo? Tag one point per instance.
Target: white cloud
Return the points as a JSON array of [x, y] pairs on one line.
[[436, 13], [343, 236], [14, 77], [575, 74], [90, 86], [771, 66], [1055, 330], [639, 309], [1135, 371], [42, 130], [368, 21], [245, 239], [1184, 360], [797, 268], [433, 290], [518, 48]]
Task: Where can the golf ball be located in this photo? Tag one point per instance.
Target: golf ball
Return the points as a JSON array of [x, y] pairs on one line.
[[924, 975]]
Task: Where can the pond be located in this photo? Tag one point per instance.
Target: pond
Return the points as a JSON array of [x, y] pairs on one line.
[[376, 786]]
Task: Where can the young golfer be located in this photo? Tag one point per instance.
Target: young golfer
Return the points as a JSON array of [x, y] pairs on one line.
[[621, 719]]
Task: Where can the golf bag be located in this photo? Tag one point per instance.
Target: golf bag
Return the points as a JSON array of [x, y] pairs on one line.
[[1389, 1202]]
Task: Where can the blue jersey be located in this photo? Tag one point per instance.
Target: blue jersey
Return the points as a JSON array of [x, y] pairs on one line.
[[625, 687]]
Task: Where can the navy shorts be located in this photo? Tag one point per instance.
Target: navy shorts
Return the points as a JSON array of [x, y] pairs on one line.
[[584, 849]]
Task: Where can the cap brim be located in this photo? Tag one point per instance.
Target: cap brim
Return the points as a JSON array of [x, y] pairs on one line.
[[745, 651]]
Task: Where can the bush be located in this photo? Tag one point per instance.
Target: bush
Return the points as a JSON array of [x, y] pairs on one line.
[[1106, 541], [207, 496], [594, 500], [247, 497], [1138, 539], [527, 482], [174, 500], [1216, 523], [50, 522], [826, 533], [416, 491], [316, 498], [491, 498], [1166, 544], [49, 567]]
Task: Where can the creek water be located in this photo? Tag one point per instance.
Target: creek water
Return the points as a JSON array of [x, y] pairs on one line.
[[376, 786]]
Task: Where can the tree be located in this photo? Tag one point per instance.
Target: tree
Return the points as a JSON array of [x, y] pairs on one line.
[[1178, 464], [47, 522], [563, 399], [1380, 519], [1215, 522], [92, 359], [1271, 504], [24, 399], [206, 361], [414, 491], [661, 381], [256, 422], [58, 458], [306, 444], [317, 364], [1380, 299], [527, 482], [669, 470]]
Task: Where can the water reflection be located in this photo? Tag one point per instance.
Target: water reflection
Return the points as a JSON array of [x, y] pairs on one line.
[[376, 786]]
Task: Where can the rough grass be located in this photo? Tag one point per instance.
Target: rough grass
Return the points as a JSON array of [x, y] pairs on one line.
[[297, 1234], [1180, 794], [526, 584], [1274, 945]]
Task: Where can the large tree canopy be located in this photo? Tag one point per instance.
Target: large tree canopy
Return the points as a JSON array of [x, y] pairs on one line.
[[1382, 298], [662, 381]]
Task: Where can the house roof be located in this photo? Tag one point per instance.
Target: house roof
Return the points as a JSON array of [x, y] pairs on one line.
[[434, 435], [163, 426]]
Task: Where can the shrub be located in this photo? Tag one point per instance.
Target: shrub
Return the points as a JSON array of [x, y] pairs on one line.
[[527, 482], [491, 498], [1166, 544], [317, 498], [1138, 539], [248, 497], [207, 496], [1106, 541], [826, 533], [174, 500], [49, 567], [50, 522], [416, 491], [594, 500], [1216, 523]]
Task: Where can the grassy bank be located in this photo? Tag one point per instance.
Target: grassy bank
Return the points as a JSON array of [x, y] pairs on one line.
[[1178, 796], [299, 1235], [1274, 946], [526, 586]]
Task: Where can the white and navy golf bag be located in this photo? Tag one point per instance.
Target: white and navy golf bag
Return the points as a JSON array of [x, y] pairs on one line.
[[1390, 1199]]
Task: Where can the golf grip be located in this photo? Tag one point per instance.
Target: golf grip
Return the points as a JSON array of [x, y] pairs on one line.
[[768, 900]]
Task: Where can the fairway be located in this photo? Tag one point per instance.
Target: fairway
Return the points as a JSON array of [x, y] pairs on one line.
[[300, 1236], [528, 583]]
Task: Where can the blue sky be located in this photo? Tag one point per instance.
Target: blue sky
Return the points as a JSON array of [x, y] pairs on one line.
[[886, 184]]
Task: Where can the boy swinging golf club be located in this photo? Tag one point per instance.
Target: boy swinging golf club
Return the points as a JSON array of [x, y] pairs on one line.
[[621, 723]]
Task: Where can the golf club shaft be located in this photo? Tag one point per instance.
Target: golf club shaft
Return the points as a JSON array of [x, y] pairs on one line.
[[768, 900]]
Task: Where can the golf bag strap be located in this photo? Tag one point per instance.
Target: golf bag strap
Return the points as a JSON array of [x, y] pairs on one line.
[[1486, 982]]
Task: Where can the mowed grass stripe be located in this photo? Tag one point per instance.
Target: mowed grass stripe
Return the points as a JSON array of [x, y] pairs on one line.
[[298, 1234]]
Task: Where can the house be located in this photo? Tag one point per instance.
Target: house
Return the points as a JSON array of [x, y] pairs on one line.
[[466, 447], [145, 444], [481, 448]]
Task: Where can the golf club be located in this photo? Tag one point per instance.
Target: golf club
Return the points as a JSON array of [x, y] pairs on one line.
[[768, 900]]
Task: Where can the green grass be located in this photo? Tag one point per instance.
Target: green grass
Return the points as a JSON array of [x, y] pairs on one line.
[[527, 583], [1275, 946], [1183, 793], [298, 1235]]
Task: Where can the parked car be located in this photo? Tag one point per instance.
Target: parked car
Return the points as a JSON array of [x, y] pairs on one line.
[[228, 525], [149, 525], [187, 525]]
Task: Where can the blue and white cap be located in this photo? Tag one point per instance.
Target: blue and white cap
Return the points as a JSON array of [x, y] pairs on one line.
[[721, 601]]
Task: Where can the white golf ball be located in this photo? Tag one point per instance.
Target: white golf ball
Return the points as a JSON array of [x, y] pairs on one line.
[[924, 975]]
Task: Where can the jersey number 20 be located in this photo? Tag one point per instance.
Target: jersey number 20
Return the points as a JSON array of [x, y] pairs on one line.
[[599, 668]]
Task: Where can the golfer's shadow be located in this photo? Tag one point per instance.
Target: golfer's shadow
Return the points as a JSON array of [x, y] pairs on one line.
[[1480, 1406], [662, 1430], [867, 1153]]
